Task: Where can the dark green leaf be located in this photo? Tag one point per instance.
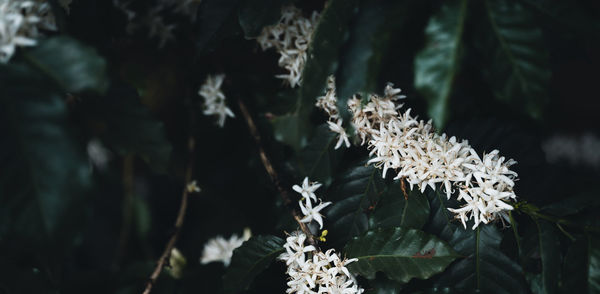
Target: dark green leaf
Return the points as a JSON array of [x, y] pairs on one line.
[[402, 254], [48, 170], [572, 205], [213, 18], [438, 64], [255, 15], [395, 211], [568, 14], [74, 66], [352, 193], [318, 160], [517, 67], [383, 285], [128, 126], [292, 130], [581, 271], [549, 252], [594, 264], [249, 260]]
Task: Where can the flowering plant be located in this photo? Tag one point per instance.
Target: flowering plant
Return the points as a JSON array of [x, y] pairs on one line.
[[254, 146]]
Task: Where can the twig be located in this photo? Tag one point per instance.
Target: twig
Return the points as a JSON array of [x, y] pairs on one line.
[[128, 173], [164, 258], [272, 173]]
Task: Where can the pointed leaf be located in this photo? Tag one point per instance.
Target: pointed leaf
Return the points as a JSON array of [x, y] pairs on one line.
[[352, 193], [402, 254], [249, 260], [395, 211], [517, 68], [438, 64], [74, 66]]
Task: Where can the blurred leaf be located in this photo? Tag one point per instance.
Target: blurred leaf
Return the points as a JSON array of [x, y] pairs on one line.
[[383, 285], [74, 66], [249, 260], [569, 14], [292, 130], [395, 211], [318, 160], [327, 38], [517, 68], [484, 267], [352, 193], [438, 64], [402, 254], [127, 126], [581, 271], [549, 252], [213, 16], [48, 170], [572, 205], [255, 15]]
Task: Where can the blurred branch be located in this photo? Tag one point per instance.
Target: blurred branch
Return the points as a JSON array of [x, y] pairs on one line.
[[164, 258], [272, 173], [128, 173]]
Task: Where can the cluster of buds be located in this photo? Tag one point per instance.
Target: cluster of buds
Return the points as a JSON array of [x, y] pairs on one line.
[[312, 271], [20, 24], [214, 99], [290, 37], [400, 142]]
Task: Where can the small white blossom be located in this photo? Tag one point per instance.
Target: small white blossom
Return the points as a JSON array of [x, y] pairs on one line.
[[192, 187], [220, 249], [308, 189], [312, 213], [214, 99], [98, 155], [290, 37], [342, 136]]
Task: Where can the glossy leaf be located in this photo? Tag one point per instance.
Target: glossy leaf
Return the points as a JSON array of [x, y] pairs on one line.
[[395, 211], [438, 63], [249, 260], [74, 66], [402, 254], [352, 193], [255, 15], [517, 68], [319, 159], [550, 254], [581, 267]]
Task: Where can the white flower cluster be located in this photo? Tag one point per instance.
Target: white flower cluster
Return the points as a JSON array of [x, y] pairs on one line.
[[290, 37], [312, 271], [307, 190], [214, 99], [400, 142], [20, 24], [328, 103], [221, 250]]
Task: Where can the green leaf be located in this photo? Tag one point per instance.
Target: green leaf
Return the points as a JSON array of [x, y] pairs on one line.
[[74, 66], [255, 15], [550, 254], [128, 126], [49, 171], [484, 267], [291, 130], [382, 285], [352, 193], [319, 159], [581, 271], [438, 63], [400, 253], [572, 205], [249, 260], [327, 38], [517, 68], [568, 14], [395, 211]]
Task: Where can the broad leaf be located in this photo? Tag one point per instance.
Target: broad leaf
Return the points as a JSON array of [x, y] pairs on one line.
[[128, 126], [581, 271], [292, 130], [550, 254], [74, 66], [438, 63], [517, 67], [352, 193], [402, 254], [255, 15], [214, 17], [318, 160], [395, 211], [572, 15], [249, 260], [383, 285]]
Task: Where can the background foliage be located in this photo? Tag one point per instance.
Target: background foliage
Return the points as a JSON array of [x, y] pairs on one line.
[[505, 74]]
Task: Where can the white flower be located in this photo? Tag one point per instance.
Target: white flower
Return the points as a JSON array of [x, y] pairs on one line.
[[214, 99], [192, 187], [220, 249], [312, 213], [290, 37], [98, 155], [308, 189], [342, 137]]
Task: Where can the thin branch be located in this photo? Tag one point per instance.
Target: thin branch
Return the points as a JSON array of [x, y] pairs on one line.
[[164, 258], [272, 173], [128, 172]]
